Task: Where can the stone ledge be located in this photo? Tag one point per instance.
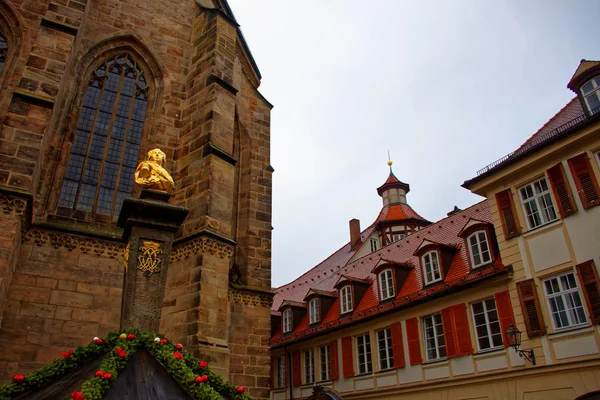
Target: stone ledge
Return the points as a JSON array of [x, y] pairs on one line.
[[35, 99], [210, 148], [59, 26], [215, 79]]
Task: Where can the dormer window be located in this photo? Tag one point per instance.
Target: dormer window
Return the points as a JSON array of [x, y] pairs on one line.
[[313, 311], [431, 266], [591, 94], [386, 284], [287, 320], [479, 249], [346, 299]]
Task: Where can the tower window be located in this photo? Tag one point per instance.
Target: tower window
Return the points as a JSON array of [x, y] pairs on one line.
[[591, 94], [104, 153], [3, 49]]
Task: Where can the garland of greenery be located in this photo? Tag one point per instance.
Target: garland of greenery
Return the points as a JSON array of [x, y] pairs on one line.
[[193, 375]]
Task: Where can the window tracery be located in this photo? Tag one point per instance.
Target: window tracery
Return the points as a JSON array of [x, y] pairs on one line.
[[104, 153], [3, 49]]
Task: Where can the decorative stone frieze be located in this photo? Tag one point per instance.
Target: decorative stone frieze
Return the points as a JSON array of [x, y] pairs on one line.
[[73, 242], [201, 245], [250, 298]]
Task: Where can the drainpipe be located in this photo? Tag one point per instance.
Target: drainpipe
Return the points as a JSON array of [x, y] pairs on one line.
[[289, 358]]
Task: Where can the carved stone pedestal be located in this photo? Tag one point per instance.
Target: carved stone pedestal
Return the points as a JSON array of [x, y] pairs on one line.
[[150, 225]]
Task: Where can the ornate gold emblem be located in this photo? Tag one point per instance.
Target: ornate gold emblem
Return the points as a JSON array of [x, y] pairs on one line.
[[149, 258], [150, 174]]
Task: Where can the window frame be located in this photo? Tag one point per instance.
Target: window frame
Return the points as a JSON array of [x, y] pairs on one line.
[[374, 242], [387, 351], [489, 335], [544, 219], [324, 363], [349, 296], [280, 372], [367, 366], [595, 81], [576, 290], [313, 315], [470, 248], [389, 284], [286, 317], [435, 337], [309, 366], [424, 264]]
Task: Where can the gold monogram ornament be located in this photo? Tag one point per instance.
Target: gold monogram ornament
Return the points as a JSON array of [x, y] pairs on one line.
[[151, 174], [148, 258]]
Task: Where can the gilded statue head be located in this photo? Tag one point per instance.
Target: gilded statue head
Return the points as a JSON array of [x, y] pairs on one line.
[[157, 155]]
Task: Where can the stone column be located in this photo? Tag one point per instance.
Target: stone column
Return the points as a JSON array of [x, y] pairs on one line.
[[150, 225]]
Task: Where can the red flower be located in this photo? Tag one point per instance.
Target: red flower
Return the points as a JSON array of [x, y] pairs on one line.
[[107, 376], [18, 378], [77, 396], [178, 346], [203, 364], [99, 374], [67, 354], [198, 379], [204, 378], [130, 336], [240, 389], [99, 341], [178, 355], [163, 341], [120, 352]]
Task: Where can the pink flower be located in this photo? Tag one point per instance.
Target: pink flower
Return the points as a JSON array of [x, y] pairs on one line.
[[130, 336], [107, 376], [99, 374], [163, 341]]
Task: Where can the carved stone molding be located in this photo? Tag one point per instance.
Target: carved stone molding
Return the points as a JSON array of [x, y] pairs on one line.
[[72, 242], [250, 298], [201, 245], [11, 204]]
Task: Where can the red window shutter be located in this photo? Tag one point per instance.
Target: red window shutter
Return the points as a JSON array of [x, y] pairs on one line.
[[414, 346], [461, 330], [333, 361], [589, 280], [587, 187], [534, 321], [449, 333], [347, 357], [296, 369], [562, 191], [505, 313], [510, 223], [397, 346], [272, 372]]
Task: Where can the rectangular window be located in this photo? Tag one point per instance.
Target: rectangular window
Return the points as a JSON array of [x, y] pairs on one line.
[[374, 245], [435, 342], [287, 320], [309, 366], [487, 325], [324, 361], [346, 299], [313, 311], [398, 236], [432, 267], [386, 284], [384, 345], [480, 250], [564, 300], [363, 347], [537, 203], [280, 371]]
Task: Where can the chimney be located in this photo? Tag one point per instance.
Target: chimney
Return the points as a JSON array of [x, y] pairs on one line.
[[354, 232]]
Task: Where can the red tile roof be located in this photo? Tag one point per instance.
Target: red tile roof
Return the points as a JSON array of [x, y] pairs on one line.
[[444, 231], [398, 212], [568, 113]]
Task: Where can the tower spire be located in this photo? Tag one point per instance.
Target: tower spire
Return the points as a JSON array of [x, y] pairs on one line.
[[390, 162]]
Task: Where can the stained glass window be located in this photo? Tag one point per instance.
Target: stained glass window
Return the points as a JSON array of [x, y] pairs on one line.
[[104, 154], [3, 49]]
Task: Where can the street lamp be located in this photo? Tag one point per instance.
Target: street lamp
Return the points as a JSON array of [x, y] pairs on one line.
[[513, 335]]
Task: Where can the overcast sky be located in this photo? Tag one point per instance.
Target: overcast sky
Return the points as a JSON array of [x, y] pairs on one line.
[[446, 86]]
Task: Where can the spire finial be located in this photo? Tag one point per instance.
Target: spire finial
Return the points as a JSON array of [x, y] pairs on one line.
[[389, 161]]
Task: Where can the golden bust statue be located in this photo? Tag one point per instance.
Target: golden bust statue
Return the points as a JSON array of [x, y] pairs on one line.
[[151, 174]]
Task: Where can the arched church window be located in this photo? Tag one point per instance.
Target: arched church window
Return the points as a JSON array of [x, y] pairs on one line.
[[3, 49], [104, 153]]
